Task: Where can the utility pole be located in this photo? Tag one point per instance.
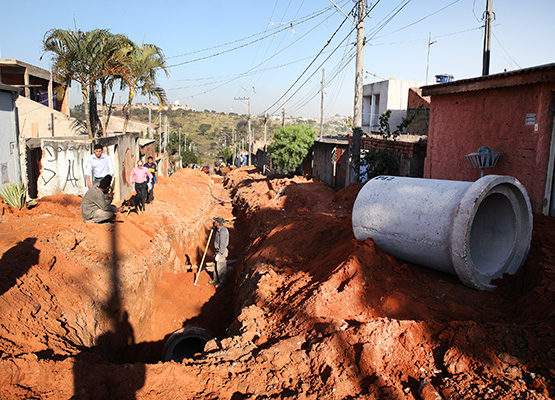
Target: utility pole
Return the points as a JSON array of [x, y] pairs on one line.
[[487, 38], [167, 133], [283, 116], [428, 59], [149, 116], [322, 106], [265, 128], [249, 124], [179, 142], [357, 115], [160, 137]]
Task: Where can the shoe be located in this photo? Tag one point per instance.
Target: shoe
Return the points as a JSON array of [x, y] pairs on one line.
[[220, 285], [213, 282]]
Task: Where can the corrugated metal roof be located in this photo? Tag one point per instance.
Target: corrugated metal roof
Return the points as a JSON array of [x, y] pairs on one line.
[[526, 76]]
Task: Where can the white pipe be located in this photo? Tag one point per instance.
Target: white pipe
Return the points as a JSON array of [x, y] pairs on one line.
[[475, 230]]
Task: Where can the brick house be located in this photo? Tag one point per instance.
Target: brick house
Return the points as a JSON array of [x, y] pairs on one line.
[[511, 113]]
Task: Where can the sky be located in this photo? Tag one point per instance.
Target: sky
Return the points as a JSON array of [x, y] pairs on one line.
[[221, 53]]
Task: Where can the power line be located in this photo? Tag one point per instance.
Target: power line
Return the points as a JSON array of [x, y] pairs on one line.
[[420, 20], [508, 55], [301, 21], [312, 62]]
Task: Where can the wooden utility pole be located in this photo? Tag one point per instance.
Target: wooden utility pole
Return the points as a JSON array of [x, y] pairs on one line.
[[487, 38], [265, 129], [322, 106]]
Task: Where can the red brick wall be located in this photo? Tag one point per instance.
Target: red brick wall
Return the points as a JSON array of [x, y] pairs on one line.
[[418, 148], [410, 154], [462, 122]]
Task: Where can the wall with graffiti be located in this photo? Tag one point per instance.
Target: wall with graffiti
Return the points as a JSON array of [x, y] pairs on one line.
[[63, 162], [63, 167]]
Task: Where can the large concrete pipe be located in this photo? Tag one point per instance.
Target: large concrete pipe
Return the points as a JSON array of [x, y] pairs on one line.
[[185, 343], [476, 230]]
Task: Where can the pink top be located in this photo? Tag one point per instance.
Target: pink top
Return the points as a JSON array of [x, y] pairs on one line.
[[139, 174]]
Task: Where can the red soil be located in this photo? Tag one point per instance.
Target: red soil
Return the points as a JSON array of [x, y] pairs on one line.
[[313, 313]]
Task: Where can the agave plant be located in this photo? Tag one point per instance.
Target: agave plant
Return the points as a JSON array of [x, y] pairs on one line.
[[14, 194]]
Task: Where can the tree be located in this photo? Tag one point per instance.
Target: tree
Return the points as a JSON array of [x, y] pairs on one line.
[[116, 52], [203, 128], [84, 57], [290, 146], [227, 154], [188, 157], [143, 64]]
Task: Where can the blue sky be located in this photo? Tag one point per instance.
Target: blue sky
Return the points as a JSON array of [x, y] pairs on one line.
[[222, 50]]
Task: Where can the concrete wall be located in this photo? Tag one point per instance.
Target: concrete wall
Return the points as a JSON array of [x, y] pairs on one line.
[[36, 120], [326, 163], [386, 95], [462, 122], [63, 166], [64, 159], [115, 125], [9, 146]]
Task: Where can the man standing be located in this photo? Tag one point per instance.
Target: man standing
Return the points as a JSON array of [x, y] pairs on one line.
[[96, 205], [140, 176], [151, 165], [221, 241], [98, 166]]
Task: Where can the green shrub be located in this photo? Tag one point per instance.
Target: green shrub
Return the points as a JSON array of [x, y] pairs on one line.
[[14, 194]]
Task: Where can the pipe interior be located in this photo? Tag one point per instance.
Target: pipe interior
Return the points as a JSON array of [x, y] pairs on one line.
[[493, 234], [186, 347]]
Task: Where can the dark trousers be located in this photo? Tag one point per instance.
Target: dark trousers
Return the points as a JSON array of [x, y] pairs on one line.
[[141, 189], [151, 194]]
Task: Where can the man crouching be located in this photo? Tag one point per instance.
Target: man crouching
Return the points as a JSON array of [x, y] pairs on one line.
[[96, 205]]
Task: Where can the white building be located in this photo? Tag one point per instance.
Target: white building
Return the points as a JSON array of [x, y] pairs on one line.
[[385, 95]]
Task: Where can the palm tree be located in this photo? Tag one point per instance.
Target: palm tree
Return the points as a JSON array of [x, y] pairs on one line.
[[144, 62], [86, 57], [116, 50]]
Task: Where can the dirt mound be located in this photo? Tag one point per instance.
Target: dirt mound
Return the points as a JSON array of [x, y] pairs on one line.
[[313, 313]]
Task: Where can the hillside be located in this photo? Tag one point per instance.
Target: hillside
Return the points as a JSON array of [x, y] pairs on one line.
[[209, 131]]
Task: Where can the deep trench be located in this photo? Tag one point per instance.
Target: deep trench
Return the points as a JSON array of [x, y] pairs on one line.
[[212, 322]]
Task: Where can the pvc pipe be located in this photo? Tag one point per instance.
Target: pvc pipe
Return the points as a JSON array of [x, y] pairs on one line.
[[475, 230]]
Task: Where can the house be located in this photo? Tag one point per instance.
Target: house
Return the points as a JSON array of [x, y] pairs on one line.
[[38, 84], [385, 95], [330, 161], [511, 113], [10, 170], [45, 147]]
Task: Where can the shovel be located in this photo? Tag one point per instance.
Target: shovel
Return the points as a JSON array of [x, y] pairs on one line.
[[203, 256]]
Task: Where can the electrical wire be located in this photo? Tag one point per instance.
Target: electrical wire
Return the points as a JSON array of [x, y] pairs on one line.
[[312, 62], [420, 20], [301, 21], [510, 60]]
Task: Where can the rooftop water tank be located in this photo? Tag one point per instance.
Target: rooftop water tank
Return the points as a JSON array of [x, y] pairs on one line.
[[443, 78]]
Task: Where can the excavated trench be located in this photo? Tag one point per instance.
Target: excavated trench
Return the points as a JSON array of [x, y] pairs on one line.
[[100, 311], [198, 322]]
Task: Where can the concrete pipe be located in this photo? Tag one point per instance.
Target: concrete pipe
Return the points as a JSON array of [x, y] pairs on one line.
[[185, 343], [475, 230]]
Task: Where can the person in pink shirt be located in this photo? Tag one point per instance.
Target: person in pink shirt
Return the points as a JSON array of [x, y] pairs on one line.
[[139, 175]]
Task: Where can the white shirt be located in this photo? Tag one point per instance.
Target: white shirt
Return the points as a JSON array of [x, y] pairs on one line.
[[99, 167]]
